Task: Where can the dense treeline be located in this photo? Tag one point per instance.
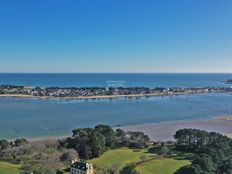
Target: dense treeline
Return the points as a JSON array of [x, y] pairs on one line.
[[4, 144], [213, 151], [92, 142], [38, 157], [52, 156]]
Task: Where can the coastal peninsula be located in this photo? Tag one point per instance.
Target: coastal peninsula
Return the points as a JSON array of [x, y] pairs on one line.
[[101, 92]]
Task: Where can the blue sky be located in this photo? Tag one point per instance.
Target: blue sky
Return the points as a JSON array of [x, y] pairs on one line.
[[116, 36]]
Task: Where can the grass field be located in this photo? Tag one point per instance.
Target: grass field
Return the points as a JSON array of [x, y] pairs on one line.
[[163, 165], [8, 168], [125, 156], [120, 156]]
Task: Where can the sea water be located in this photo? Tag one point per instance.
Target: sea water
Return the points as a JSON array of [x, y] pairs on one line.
[[38, 117]]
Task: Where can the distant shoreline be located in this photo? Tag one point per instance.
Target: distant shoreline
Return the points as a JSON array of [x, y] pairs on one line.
[[102, 92], [107, 96]]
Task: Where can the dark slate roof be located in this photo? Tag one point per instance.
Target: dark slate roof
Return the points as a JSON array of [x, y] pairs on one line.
[[79, 165]]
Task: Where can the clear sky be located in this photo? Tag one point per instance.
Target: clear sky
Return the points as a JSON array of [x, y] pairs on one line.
[[116, 36]]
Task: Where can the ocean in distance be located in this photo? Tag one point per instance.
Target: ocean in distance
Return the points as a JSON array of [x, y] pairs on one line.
[[37, 117], [128, 79]]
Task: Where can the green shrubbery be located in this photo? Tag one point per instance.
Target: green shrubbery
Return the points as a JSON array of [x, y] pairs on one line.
[[92, 142], [213, 151]]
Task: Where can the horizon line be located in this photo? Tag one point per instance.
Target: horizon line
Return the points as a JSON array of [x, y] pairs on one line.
[[115, 72]]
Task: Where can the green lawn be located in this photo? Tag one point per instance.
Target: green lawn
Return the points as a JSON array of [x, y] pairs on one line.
[[120, 156], [124, 156], [163, 165], [8, 168]]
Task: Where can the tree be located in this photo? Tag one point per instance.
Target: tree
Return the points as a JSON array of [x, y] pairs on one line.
[[97, 143], [213, 151], [138, 136], [69, 155], [120, 133], [129, 169], [84, 150], [4, 144], [51, 163], [225, 167], [108, 133], [191, 169], [88, 142], [205, 162], [19, 142]]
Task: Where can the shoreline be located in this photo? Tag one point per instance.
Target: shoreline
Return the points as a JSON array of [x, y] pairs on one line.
[[107, 96], [164, 131]]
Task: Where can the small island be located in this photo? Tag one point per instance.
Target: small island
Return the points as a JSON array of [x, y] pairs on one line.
[[101, 92]]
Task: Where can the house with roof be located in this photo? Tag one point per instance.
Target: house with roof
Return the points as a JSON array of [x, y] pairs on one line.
[[81, 167]]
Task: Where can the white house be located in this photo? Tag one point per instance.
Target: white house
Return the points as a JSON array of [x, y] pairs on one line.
[[81, 167]]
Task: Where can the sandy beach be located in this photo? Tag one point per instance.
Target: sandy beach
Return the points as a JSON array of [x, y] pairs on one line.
[[165, 131], [16, 95]]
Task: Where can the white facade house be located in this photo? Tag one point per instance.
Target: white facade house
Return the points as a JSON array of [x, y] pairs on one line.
[[81, 167]]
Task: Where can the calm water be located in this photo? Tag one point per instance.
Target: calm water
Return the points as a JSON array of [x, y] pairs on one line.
[[36, 117], [146, 80]]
